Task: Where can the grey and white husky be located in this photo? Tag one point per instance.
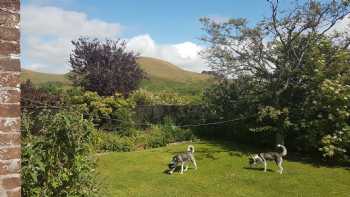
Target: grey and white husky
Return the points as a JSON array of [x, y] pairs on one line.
[[272, 156], [183, 159]]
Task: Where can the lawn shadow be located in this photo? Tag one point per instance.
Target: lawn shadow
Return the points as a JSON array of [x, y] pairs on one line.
[[177, 170], [237, 149], [257, 169], [202, 153], [166, 171], [316, 161]]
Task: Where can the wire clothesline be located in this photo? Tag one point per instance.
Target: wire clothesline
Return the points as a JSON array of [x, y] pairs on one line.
[[139, 124], [185, 125]]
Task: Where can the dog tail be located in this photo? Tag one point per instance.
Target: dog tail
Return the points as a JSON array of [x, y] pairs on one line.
[[190, 148], [284, 149]]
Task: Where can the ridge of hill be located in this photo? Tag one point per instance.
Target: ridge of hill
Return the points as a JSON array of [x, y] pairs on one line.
[[162, 76]]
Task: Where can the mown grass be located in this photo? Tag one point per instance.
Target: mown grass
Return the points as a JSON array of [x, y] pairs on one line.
[[222, 171]]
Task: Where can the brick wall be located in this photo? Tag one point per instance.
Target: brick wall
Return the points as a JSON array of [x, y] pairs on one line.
[[10, 148]]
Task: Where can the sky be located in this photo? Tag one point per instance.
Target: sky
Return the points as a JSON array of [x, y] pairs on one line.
[[169, 30]]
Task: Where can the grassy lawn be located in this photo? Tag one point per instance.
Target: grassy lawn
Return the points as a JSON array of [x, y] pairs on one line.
[[222, 171]]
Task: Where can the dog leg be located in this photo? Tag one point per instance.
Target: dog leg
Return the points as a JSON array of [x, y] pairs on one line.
[[172, 170], [280, 166], [195, 164], [182, 168], [186, 168], [265, 164]]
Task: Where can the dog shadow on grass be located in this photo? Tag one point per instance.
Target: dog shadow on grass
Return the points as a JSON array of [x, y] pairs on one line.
[[257, 169], [177, 170]]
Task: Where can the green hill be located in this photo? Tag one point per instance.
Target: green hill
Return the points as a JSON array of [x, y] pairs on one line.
[[38, 77], [162, 76]]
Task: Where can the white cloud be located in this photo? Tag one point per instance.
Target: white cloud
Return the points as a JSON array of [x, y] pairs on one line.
[[48, 31], [184, 54], [46, 43], [343, 25]]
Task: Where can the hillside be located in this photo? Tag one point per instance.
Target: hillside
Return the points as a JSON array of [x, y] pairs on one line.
[[162, 76], [38, 77], [157, 68]]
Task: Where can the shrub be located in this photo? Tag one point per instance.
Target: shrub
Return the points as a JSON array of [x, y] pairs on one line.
[[161, 135], [155, 138], [144, 97], [57, 160], [104, 67], [109, 141], [34, 98], [112, 113]]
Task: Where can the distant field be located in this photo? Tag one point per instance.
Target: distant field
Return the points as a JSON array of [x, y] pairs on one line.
[[160, 69], [163, 76], [222, 171], [38, 77]]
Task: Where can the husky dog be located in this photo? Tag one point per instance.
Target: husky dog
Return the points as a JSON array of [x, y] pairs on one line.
[[272, 156], [182, 159]]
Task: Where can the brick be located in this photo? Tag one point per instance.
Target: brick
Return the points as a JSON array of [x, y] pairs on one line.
[[10, 153], [10, 124], [9, 34], [8, 79], [10, 110], [10, 138], [10, 150], [8, 48], [10, 182], [8, 20], [9, 96], [12, 5], [16, 193], [10, 166], [8, 64]]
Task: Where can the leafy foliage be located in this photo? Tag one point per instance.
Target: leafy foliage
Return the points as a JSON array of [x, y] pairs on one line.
[[104, 67], [113, 113], [290, 71], [58, 161], [48, 94], [113, 142], [163, 134], [144, 97]]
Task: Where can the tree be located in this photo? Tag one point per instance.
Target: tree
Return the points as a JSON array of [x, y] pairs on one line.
[[104, 67], [276, 53]]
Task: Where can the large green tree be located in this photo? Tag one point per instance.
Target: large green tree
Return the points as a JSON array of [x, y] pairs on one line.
[[275, 67]]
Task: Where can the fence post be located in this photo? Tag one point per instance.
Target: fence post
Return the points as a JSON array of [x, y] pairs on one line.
[[10, 145]]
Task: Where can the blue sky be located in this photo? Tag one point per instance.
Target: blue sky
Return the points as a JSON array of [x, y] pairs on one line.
[[166, 21], [168, 30]]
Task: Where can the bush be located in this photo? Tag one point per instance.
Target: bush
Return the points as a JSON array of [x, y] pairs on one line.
[[144, 97], [34, 98], [112, 113], [112, 142], [104, 67], [153, 137], [57, 161], [161, 135]]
